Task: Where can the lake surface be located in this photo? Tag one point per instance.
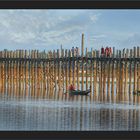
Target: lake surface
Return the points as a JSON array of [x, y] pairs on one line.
[[67, 115]]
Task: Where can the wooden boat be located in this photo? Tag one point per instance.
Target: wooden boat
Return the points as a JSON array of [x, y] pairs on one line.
[[136, 93], [79, 92]]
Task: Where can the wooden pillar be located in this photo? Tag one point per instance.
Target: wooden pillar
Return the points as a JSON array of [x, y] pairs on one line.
[[48, 76], [108, 81], [86, 68], [63, 71], [104, 80], [66, 68], [113, 77], [55, 79], [135, 75], [126, 76], [120, 77], [95, 74], [123, 75], [135, 68], [82, 54], [130, 76], [59, 72], [138, 72], [78, 69], [82, 46], [91, 73], [101, 80], [69, 64]]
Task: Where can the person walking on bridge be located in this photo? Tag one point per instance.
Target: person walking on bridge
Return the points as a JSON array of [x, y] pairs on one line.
[[102, 52]]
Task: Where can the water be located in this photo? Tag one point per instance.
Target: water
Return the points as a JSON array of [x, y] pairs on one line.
[[67, 115]]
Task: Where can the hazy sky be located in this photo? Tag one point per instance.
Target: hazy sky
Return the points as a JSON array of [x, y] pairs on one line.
[[48, 29]]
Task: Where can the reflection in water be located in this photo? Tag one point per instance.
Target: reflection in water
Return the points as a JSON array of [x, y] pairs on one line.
[[33, 108], [42, 114]]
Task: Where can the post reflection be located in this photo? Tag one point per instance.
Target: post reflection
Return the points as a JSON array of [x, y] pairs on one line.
[[66, 115]]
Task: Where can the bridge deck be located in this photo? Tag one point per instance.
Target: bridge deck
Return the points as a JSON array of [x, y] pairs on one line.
[[69, 59]]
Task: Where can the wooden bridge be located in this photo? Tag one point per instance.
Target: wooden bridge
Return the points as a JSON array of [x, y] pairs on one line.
[[52, 72]]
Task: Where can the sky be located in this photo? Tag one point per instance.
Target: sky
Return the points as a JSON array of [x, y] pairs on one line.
[[49, 29]]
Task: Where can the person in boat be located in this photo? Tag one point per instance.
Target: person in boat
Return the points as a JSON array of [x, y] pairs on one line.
[[71, 87]]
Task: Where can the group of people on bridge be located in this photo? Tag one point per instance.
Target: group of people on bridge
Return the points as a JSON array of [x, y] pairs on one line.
[[106, 52], [75, 51]]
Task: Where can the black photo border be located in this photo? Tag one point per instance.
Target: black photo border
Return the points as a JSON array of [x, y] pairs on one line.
[[67, 4]]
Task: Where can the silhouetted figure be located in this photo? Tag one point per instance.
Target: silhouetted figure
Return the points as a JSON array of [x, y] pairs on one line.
[[102, 51], [110, 51]]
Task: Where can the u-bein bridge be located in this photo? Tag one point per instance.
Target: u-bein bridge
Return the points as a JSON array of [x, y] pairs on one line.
[[48, 75]]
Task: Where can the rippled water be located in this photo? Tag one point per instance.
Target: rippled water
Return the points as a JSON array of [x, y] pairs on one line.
[[67, 115]]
